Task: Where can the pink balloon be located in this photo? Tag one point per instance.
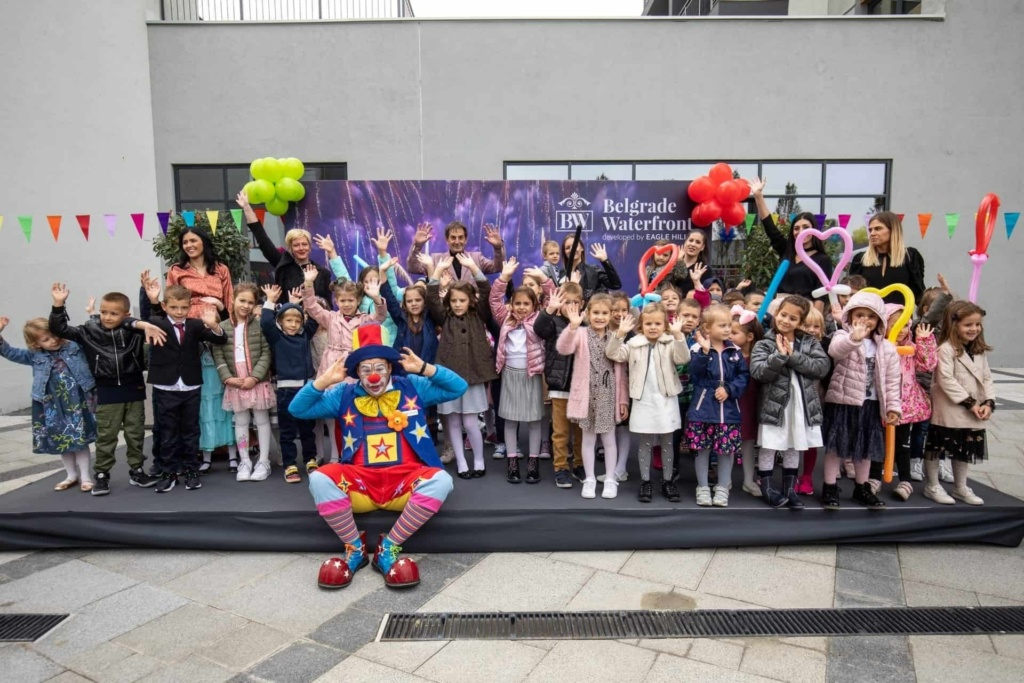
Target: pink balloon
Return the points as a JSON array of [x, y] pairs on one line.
[[844, 258]]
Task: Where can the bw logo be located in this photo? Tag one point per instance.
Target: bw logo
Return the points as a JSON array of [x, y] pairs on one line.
[[575, 215]]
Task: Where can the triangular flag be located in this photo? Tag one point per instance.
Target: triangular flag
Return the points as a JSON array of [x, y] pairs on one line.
[[236, 215], [163, 217], [844, 220], [83, 223], [1010, 217], [190, 218], [212, 217], [821, 220], [26, 226], [750, 221], [111, 219], [951, 220], [260, 214], [1, 222], [139, 219], [924, 220], [775, 217], [900, 216], [54, 222], [792, 217]]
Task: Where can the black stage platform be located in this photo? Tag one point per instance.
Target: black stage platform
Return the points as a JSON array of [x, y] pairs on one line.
[[481, 515]]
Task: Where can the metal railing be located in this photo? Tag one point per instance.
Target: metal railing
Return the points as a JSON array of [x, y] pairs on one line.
[[283, 10]]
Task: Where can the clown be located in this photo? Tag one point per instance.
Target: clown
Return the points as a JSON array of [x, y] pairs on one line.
[[388, 461]]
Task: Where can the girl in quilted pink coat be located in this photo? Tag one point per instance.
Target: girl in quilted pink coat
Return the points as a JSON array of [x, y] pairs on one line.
[[863, 397], [520, 361]]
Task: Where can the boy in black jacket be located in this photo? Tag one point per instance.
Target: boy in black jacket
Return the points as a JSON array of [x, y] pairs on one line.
[[558, 373], [112, 342], [176, 373]]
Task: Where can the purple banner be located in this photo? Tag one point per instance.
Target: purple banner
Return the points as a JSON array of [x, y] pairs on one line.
[[628, 217]]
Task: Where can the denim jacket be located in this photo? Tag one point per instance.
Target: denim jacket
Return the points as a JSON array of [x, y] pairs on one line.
[[42, 365]]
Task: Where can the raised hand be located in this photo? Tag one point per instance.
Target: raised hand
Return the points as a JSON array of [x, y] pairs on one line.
[[573, 313], [382, 240], [697, 274], [212, 301], [371, 289], [445, 280], [4, 322], [508, 268], [555, 302], [59, 291], [467, 262], [743, 284], [295, 295], [923, 331], [944, 286], [309, 274], [242, 199], [443, 264], [757, 185], [626, 325], [537, 274], [154, 335], [704, 342], [782, 344], [272, 292], [210, 318], [598, 251], [837, 312], [387, 265], [424, 231], [576, 276], [676, 327], [326, 244], [411, 363], [152, 286], [858, 331], [332, 375], [426, 261], [493, 235]]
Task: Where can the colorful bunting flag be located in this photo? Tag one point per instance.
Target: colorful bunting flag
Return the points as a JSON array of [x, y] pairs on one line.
[[1010, 217], [163, 217], [951, 220], [775, 217], [212, 217], [792, 217], [924, 220], [139, 219], [821, 219], [1, 222], [83, 223], [236, 215], [111, 219], [900, 216], [54, 222], [844, 220], [26, 226], [260, 214], [750, 221], [190, 218]]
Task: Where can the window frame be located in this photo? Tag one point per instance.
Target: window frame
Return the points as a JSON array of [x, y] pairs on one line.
[[228, 201]]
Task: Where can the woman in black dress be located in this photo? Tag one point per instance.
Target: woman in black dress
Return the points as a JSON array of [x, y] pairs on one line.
[[888, 260]]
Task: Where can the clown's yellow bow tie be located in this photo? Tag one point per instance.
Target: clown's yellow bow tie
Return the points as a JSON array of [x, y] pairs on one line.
[[379, 407]]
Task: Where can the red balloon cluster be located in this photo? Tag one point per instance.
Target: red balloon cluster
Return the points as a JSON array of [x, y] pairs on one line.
[[718, 196]]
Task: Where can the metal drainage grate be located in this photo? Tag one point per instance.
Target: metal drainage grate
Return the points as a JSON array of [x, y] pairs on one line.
[[702, 623], [25, 628]]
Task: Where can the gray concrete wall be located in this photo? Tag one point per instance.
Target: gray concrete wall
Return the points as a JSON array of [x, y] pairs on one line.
[[76, 137]]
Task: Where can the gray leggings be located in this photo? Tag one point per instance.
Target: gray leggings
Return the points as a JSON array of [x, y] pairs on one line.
[[766, 459], [647, 444]]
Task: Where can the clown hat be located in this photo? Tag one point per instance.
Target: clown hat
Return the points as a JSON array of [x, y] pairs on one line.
[[368, 342]]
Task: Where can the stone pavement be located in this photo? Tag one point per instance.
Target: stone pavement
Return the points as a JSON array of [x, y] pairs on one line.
[[207, 616]]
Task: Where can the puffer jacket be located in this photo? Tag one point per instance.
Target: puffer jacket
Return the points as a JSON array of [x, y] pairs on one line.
[[576, 343], [42, 365], [116, 357], [771, 369], [502, 314], [557, 366], [669, 353], [849, 379], [257, 352], [917, 404], [710, 370]]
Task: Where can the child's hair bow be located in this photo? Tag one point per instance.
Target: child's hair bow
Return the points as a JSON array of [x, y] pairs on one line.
[[745, 316]]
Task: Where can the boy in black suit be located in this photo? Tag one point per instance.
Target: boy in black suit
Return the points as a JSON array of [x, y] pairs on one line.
[[176, 373]]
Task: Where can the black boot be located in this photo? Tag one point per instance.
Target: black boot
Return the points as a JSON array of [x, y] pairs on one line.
[[830, 496], [863, 494], [513, 471], [646, 492], [532, 470], [789, 490], [768, 493]]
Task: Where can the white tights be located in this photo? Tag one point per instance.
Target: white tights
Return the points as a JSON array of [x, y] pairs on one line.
[[610, 454], [453, 425], [512, 438], [78, 465], [332, 427], [262, 429], [623, 439]]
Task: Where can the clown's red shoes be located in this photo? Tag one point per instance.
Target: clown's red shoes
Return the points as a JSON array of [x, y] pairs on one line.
[[337, 572], [398, 572]]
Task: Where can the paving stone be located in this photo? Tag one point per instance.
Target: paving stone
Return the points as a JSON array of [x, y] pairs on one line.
[[717, 652], [593, 660], [348, 631], [128, 670], [152, 566], [867, 651], [193, 670], [938, 662], [882, 564], [66, 587], [243, 647], [883, 590], [445, 603], [435, 573], [99, 658], [609, 560], [465, 559], [298, 663], [11, 555], [979, 643], [991, 570], [993, 601], [926, 595], [768, 581], [818, 554], [37, 562], [1009, 646], [227, 573], [669, 669], [358, 670], [683, 568], [819, 644], [68, 677], [408, 656], [678, 647], [860, 671], [607, 591], [547, 585], [770, 658], [174, 636], [21, 664]]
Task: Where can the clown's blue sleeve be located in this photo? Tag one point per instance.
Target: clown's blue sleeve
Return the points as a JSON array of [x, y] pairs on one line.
[[445, 385], [312, 404]]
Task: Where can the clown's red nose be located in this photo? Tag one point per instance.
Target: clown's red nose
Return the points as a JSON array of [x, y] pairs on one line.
[[373, 379]]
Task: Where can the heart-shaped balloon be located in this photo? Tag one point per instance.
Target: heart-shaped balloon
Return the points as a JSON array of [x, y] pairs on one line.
[[901, 322], [985, 223], [828, 284], [673, 252]]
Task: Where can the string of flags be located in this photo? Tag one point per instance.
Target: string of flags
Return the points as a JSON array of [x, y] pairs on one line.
[[924, 220], [138, 220]]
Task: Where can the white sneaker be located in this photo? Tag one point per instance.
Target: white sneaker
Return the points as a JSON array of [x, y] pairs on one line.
[[447, 453], [967, 495], [260, 472], [938, 494], [721, 499], [611, 489], [875, 485], [589, 488], [244, 470], [704, 496], [621, 477], [916, 469], [945, 471], [499, 452], [752, 489]]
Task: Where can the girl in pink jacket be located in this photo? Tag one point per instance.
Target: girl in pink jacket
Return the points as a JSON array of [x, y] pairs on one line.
[[599, 395], [520, 361], [863, 397]]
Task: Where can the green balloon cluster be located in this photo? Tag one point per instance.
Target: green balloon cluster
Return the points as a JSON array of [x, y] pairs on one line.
[[275, 183]]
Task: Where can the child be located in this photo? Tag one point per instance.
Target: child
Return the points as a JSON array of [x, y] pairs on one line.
[[689, 313], [653, 385], [732, 298], [670, 298], [288, 333], [814, 325], [963, 398], [550, 254], [719, 375], [623, 437], [340, 325], [714, 288], [930, 309], [520, 362], [864, 395], [558, 371], [63, 397], [113, 347], [243, 363], [746, 332], [753, 300], [789, 365], [599, 396], [176, 373], [463, 347], [317, 347]]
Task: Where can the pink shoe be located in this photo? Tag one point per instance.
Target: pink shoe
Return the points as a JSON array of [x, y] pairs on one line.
[[492, 439], [805, 486]]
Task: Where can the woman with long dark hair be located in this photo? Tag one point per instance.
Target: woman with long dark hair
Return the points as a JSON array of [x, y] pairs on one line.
[[591, 278]]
